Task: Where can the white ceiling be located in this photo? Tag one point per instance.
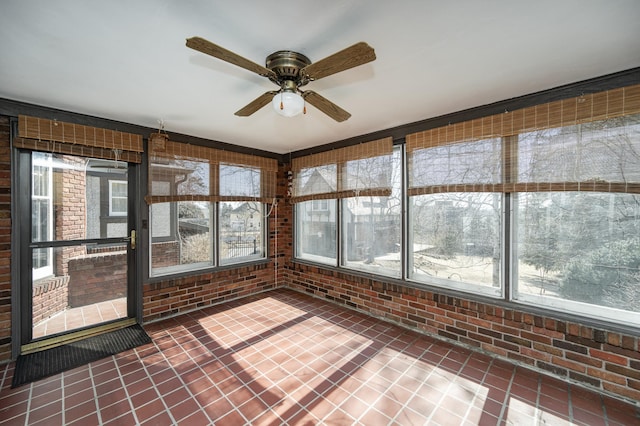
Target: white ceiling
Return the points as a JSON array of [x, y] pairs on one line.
[[126, 60]]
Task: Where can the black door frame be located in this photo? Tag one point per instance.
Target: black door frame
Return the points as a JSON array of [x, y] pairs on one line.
[[22, 288]]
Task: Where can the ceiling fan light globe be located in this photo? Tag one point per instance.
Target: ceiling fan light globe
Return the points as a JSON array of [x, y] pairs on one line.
[[288, 104]]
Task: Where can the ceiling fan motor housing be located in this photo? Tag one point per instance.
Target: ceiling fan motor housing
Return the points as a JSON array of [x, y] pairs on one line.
[[287, 64]]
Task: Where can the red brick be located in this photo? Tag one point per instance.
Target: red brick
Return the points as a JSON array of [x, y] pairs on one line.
[[584, 359], [627, 392], [570, 365], [630, 343], [548, 349], [547, 332], [535, 354], [606, 376], [608, 356], [536, 337]]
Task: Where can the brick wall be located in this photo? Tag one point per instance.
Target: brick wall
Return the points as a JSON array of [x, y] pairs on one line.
[[5, 240], [97, 277], [598, 358], [49, 297], [165, 254], [179, 295], [70, 214]]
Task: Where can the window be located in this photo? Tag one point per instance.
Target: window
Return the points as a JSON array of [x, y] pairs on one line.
[[42, 212], [454, 222], [455, 241], [316, 232], [354, 184], [190, 246], [241, 231], [117, 198], [579, 250], [539, 207], [207, 207], [371, 225]]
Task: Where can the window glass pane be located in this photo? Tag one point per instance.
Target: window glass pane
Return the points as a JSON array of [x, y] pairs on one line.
[[316, 232], [455, 241], [372, 225], [76, 198], [241, 231], [189, 245], [580, 252], [239, 181], [371, 234], [41, 201]]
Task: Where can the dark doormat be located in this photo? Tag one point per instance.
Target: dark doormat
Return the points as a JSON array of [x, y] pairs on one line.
[[37, 365]]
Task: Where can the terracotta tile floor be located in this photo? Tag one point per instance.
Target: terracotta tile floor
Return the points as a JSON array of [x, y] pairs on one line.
[[82, 316], [285, 358]]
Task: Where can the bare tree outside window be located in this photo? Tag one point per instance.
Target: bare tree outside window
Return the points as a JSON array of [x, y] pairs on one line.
[[372, 224], [581, 246]]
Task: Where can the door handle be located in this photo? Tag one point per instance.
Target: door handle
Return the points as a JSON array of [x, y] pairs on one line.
[[132, 239]]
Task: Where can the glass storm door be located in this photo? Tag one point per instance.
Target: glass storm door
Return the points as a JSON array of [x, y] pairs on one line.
[[79, 250]]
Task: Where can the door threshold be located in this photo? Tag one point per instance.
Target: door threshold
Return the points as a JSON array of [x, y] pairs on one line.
[[74, 336]]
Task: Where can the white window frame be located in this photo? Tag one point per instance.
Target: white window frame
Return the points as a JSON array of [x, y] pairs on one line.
[[47, 164], [113, 212], [321, 205]]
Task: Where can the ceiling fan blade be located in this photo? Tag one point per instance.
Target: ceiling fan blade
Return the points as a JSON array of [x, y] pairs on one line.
[[358, 54], [326, 106], [205, 46], [256, 104]]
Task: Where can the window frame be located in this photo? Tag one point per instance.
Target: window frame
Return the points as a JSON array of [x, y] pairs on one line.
[[45, 163], [450, 284], [112, 211], [297, 233]]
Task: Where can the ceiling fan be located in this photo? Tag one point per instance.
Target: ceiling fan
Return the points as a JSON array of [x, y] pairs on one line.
[[290, 71]]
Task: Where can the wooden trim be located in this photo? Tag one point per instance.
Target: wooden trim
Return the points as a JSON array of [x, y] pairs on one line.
[[587, 186]]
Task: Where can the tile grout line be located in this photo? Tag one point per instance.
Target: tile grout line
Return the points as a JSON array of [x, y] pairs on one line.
[[95, 394], [395, 383], [126, 390], [507, 393], [155, 388], [64, 422], [444, 393], [26, 418], [475, 394], [172, 367], [570, 403], [605, 413], [422, 383], [537, 412]]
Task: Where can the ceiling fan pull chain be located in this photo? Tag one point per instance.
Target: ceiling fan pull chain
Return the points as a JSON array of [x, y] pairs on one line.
[[281, 105]]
